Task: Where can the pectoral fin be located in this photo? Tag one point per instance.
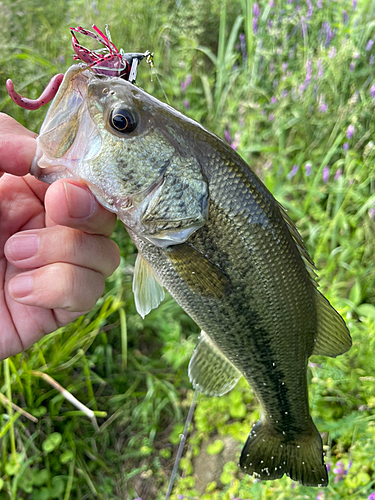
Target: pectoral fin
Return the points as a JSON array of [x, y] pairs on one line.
[[210, 371], [148, 292], [333, 336]]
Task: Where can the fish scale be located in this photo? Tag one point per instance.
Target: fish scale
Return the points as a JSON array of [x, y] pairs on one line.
[[210, 232]]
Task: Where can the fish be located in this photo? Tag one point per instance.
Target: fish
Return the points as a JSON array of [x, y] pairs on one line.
[[209, 232]]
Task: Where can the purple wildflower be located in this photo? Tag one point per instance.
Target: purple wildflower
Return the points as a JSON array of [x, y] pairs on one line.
[[338, 174], [350, 131], [273, 100], [320, 496], [308, 72], [308, 167], [372, 91], [227, 135], [256, 10], [255, 25], [325, 174], [271, 117], [320, 68], [185, 83], [371, 214], [284, 66], [323, 107], [293, 172], [319, 4], [284, 93], [271, 3], [354, 4], [345, 146], [236, 141], [310, 10], [327, 31], [186, 104], [243, 47], [369, 45], [290, 1], [345, 17], [352, 66], [332, 52], [340, 471]]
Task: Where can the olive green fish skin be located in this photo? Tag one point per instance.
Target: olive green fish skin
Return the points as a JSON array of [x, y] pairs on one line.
[[264, 317], [265, 321], [220, 243]]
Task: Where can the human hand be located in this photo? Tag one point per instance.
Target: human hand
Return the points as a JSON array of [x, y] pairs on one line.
[[55, 251]]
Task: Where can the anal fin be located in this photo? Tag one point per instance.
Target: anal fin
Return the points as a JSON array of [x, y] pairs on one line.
[[148, 292], [210, 371], [333, 336]]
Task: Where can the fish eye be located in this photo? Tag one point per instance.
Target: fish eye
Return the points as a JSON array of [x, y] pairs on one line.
[[122, 120]]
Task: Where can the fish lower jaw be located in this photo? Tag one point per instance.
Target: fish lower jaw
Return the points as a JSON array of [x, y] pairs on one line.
[[47, 170]]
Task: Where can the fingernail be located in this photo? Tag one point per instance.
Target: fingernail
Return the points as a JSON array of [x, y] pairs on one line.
[[23, 246], [21, 285], [80, 202]]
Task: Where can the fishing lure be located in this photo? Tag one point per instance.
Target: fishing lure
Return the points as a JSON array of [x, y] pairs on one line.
[[108, 61]]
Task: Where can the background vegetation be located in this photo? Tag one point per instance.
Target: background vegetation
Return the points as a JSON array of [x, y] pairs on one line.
[[291, 85]]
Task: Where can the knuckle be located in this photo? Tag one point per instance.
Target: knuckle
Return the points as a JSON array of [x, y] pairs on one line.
[[79, 244], [94, 291], [88, 286], [112, 256]]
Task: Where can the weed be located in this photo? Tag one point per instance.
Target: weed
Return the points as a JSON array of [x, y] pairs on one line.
[[291, 86]]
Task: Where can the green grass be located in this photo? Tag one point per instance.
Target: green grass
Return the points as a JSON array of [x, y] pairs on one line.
[[132, 373]]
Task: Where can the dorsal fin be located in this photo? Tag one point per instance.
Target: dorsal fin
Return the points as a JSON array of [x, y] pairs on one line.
[[297, 238], [333, 336], [210, 371]]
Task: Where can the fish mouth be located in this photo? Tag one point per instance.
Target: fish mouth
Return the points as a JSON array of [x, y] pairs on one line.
[[68, 134]]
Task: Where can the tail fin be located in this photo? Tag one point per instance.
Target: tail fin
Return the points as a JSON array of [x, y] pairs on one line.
[[269, 455]]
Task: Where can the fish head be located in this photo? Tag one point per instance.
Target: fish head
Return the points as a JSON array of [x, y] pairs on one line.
[[130, 149]]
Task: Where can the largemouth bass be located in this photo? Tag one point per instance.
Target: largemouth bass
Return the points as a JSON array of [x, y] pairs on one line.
[[210, 232]]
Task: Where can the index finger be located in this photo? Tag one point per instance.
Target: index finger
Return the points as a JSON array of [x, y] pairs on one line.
[[17, 146]]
